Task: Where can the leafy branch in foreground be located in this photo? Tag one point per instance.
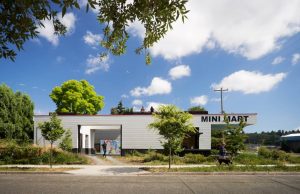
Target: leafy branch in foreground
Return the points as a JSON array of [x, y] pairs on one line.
[[19, 21]]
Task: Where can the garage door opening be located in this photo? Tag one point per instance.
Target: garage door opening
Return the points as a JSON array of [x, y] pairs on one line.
[[92, 137]]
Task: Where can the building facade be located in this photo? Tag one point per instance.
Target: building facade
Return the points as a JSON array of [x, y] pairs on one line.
[[131, 132]]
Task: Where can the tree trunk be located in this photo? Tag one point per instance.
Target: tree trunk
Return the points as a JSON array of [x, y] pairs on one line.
[[51, 156], [170, 152]]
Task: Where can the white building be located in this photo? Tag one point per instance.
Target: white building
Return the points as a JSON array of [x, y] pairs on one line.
[[131, 132]]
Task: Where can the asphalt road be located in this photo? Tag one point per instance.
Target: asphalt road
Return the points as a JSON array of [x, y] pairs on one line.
[[35, 183]]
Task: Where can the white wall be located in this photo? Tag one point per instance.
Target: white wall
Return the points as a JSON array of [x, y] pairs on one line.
[[135, 131]]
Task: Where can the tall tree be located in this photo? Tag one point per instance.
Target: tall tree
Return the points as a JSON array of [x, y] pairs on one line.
[[16, 115], [19, 21], [52, 131], [173, 125], [77, 97], [120, 109]]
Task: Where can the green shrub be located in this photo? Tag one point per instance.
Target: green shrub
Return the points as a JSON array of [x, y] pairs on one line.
[[294, 159], [253, 159], [273, 154], [194, 158], [12, 153], [152, 156], [177, 159], [66, 142], [264, 152]]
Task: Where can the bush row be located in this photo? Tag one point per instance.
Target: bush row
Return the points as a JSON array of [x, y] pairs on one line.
[[278, 155], [12, 153], [264, 157]]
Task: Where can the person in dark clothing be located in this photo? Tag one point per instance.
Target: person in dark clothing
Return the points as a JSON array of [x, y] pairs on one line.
[[222, 151], [152, 109], [104, 145]]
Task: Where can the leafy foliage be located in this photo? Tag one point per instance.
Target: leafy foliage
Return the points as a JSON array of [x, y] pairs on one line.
[[16, 115], [13, 153], [77, 97], [120, 109], [20, 19], [52, 131], [234, 136], [268, 138], [157, 17], [173, 125], [197, 108], [66, 142]]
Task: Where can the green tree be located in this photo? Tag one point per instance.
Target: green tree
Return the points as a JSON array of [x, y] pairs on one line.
[[196, 108], [234, 136], [120, 109], [52, 131], [66, 142], [16, 115], [20, 20], [173, 125], [77, 97]]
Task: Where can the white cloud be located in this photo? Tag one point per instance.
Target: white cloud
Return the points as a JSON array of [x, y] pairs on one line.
[[278, 60], [137, 102], [155, 105], [92, 39], [296, 58], [21, 84], [157, 86], [250, 82], [48, 30], [180, 71], [83, 4], [248, 28], [124, 96], [199, 100], [94, 63]]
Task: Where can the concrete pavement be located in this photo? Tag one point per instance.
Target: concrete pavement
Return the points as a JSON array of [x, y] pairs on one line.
[[111, 166], [21, 183]]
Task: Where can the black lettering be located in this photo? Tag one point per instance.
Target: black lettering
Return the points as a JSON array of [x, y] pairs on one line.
[[204, 119], [245, 118], [233, 119], [214, 119]]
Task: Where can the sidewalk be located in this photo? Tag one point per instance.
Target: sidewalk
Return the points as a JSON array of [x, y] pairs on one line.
[[125, 170]]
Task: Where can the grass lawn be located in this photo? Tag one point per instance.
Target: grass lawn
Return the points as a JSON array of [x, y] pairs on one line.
[[231, 168], [29, 169]]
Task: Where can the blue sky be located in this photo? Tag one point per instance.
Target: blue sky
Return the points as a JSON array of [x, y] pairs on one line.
[[251, 48]]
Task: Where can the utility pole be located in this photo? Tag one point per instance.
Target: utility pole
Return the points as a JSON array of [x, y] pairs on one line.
[[221, 90]]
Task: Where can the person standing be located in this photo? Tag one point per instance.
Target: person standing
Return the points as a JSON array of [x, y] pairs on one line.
[[104, 145]]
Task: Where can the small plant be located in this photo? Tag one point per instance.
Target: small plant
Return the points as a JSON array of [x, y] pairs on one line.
[[52, 131], [194, 158], [66, 142], [152, 156]]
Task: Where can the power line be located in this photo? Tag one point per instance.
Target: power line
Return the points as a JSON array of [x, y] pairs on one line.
[[221, 90]]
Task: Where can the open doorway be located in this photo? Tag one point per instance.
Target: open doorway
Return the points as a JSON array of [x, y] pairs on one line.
[[191, 142], [92, 137]]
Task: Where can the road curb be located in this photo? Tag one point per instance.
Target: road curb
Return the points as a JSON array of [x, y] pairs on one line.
[[224, 173], [19, 172]]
